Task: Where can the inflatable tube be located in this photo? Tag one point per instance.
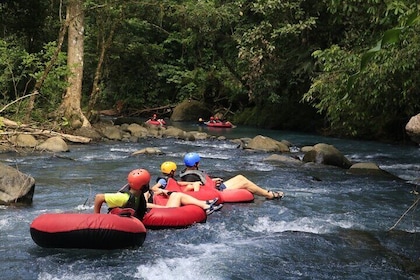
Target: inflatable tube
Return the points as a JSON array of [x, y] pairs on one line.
[[90, 231], [219, 124], [235, 196], [206, 192], [159, 122], [177, 217]]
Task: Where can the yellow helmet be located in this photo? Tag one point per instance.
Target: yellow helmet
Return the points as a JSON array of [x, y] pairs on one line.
[[167, 167]]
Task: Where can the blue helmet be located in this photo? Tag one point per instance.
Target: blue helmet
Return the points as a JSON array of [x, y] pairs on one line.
[[191, 159]]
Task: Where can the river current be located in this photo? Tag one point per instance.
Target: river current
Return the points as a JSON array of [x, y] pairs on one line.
[[330, 224]]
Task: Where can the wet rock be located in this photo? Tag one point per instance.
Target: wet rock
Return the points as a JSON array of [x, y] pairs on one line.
[[53, 144], [15, 186], [137, 130], [190, 110], [148, 150], [283, 159], [327, 154], [413, 128], [88, 132], [24, 141], [173, 132], [368, 168], [112, 133], [267, 144]]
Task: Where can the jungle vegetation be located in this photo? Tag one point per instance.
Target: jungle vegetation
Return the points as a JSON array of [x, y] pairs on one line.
[[345, 68]]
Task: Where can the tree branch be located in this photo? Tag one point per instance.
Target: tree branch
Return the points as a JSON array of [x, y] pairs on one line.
[[405, 213]]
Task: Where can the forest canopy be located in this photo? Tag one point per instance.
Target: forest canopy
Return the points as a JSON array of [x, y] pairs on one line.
[[346, 68]]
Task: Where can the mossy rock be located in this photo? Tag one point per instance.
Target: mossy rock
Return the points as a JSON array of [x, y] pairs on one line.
[[190, 110]]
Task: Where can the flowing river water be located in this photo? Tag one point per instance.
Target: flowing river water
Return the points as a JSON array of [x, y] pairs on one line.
[[330, 225]]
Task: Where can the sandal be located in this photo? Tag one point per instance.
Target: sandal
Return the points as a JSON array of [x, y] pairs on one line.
[[212, 202], [213, 208], [276, 195]]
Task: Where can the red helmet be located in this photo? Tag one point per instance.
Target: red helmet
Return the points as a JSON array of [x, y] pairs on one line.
[[138, 178]]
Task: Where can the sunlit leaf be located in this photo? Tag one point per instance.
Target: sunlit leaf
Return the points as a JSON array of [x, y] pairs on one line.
[[413, 19], [391, 36]]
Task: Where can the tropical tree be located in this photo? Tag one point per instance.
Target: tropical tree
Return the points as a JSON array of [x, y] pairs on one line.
[[383, 95], [70, 107]]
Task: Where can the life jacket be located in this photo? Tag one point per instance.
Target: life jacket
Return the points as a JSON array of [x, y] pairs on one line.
[[193, 176], [139, 211]]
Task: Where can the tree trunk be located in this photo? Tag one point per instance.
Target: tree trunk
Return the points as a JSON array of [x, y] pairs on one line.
[[105, 44], [70, 106]]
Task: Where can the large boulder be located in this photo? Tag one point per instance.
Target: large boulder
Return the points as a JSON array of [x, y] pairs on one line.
[[288, 160], [173, 132], [89, 132], [24, 141], [15, 186], [413, 128], [267, 144], [190, 110], [54, 144], [137, 130], [326, 154], [369, 168], [112, 133]]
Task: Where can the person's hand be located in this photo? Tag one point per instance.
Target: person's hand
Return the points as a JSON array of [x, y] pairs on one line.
[[218, 181], [163, 192]]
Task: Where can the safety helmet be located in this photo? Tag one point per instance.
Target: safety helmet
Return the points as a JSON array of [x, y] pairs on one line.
[[191, 159], [167, 167], [138, 178]]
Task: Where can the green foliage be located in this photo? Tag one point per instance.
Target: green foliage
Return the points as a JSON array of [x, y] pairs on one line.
[[263, 54], [381, 98], [19, 71], [12, 70], [273, 59]]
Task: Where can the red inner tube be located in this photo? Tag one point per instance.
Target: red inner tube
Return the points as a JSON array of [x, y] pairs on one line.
[[91, 231]]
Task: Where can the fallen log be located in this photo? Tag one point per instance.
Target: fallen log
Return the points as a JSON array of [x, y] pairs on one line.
[[44, 132]]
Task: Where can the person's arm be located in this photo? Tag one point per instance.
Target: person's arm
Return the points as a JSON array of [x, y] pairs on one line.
[[183, 183], [99, 200], [156, 188], [192, 186]]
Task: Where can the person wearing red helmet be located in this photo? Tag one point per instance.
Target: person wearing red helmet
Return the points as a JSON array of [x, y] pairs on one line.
[[133, 198]]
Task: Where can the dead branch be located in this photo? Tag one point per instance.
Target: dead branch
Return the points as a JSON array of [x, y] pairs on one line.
[[405, 213], [20, 98], [25, 129], [147, 110]]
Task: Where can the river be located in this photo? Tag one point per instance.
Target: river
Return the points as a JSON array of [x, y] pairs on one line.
[[330, 224]]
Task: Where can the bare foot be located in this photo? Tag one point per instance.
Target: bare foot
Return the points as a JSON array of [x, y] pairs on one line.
[[275, 195]]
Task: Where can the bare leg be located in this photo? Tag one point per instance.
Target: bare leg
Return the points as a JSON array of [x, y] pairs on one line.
[[241, 182], [177, 199]]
